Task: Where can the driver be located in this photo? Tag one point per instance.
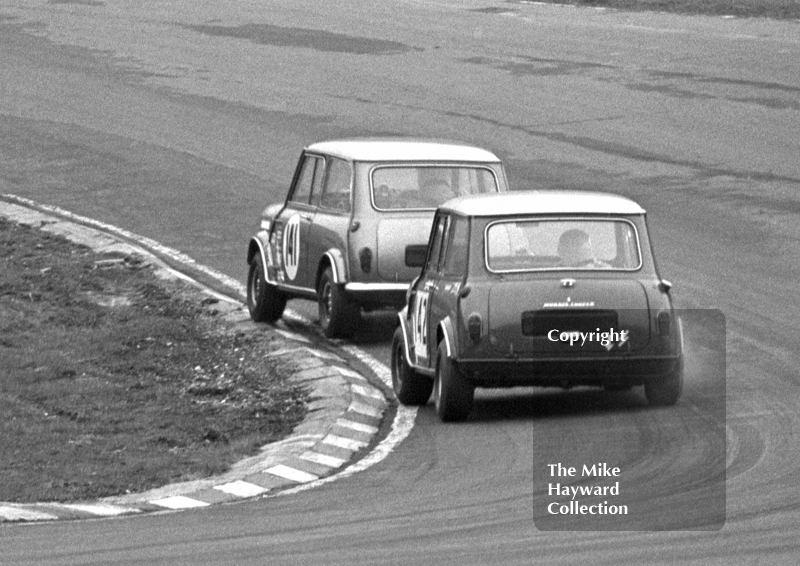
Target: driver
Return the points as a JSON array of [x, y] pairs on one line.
[[575, 250], [439, 192], [434, 185]]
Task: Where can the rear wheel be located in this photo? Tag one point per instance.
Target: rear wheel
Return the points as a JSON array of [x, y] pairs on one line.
[[338, 314], [453, 395], [410, 388], [264, 301], [667, 390]]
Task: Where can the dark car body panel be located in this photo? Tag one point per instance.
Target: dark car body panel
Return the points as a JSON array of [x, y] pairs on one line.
[[495, 325]]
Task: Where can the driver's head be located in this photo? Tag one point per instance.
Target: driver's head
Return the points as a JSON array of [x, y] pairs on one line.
[[438, 193], [575, 248], [434, 184]]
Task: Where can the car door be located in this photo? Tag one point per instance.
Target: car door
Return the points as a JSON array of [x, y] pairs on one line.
[[423, 324], [331, 223], [450, 274], [293, 225]]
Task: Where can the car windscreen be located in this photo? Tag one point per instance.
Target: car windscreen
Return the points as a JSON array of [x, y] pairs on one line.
[[562, 244], [421, 187]]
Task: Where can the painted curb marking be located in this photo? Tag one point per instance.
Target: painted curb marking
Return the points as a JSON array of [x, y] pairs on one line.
[[179, 502], [324, 459], [241, 488], [290, 336], [357, 426], [364, 409], [342, 442], [9, 513], [371, 392], [293, 474], [351, 374], [100, 509]]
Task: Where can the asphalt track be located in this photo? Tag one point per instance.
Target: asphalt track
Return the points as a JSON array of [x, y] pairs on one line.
[[179, 121]]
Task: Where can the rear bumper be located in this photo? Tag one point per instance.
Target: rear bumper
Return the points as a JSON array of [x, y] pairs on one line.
[[560, 372], [378, 294]]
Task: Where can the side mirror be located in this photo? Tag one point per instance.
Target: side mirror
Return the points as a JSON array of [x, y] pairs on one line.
[[664, 286]]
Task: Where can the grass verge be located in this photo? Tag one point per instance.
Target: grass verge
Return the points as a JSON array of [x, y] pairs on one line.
[[776, 9], [113, 380]]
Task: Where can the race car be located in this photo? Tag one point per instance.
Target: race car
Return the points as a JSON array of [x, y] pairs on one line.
[[357, 213], [537, 288]]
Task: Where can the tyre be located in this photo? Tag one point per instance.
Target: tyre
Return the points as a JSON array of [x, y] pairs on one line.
[[453, 395], [410, 388], [338, 315], [667, 390], [264, 301]]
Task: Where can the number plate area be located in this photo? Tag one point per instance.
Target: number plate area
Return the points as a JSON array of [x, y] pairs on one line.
[[572, 330], [541, 322]]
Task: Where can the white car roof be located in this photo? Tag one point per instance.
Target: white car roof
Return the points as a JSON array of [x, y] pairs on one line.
[[403, 149], [542, 202]]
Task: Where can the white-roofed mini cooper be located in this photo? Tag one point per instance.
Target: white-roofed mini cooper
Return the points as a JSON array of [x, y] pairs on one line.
[[357, 213], [538, 288]]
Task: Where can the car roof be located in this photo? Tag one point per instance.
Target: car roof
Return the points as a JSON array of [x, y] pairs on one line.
[[403, 149], [542, 202]]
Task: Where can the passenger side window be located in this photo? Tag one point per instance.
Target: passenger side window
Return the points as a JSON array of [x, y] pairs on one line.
[[456, 252], [337, 186], [436, 247], [308, 181]]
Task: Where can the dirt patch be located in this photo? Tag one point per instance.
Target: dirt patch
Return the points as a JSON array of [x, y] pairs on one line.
[[117, 381]]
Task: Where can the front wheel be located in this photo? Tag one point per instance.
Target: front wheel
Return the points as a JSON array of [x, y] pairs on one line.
[[410, 388], [667, 390], [338, 315], [453, 395], [264, 301]]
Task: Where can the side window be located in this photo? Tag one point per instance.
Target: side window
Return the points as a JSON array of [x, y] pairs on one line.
[[316, 186], [473, 181], [308, 181], [456, 252], [337, 186], [436, 248]]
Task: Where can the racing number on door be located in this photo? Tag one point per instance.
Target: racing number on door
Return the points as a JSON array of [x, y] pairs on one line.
[[291, 246], [421, 324]]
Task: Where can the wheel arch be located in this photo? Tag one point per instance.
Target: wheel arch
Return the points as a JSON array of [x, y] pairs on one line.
[[445, 332], [404, 328], [334, 259], [257, 246]]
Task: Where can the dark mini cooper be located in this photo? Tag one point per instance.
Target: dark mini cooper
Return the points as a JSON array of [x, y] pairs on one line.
[[357, 213], [538, 288]]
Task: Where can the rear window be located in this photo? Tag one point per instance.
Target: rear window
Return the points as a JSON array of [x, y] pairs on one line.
[[562, 244], [424, 187]]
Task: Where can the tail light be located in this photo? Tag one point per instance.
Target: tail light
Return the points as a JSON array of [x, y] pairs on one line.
[[365, 259], [474, 324]]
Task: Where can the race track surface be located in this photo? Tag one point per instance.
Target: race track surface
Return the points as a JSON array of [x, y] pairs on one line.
[[180, 121]]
